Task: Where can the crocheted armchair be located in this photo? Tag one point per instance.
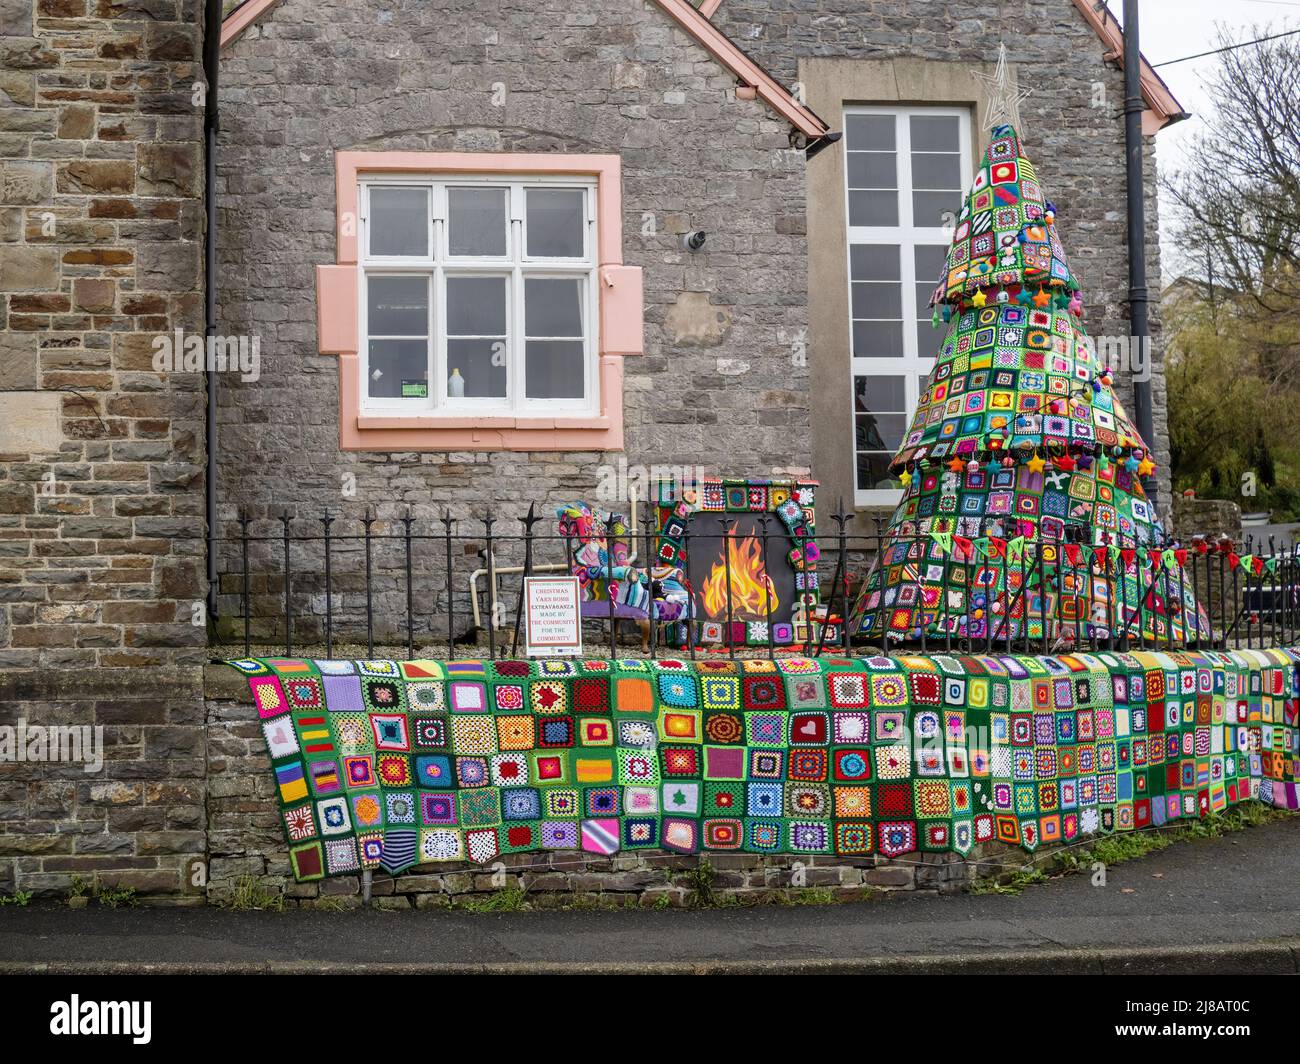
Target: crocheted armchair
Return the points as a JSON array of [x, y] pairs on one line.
[[599, 557]]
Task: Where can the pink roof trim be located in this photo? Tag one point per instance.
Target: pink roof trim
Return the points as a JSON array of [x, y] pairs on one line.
[[747, 72], [242, 17], [1164, 108]]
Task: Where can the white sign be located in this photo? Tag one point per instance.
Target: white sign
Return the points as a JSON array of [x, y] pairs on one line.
[[552, 616]]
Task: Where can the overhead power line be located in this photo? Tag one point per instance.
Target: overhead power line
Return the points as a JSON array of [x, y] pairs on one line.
[[1228, 48]]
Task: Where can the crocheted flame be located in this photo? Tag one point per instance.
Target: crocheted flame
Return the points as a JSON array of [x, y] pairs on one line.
[[751, 587]]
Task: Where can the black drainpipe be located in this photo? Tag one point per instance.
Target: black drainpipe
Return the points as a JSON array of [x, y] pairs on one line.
[[211, 60], [1139, 330]]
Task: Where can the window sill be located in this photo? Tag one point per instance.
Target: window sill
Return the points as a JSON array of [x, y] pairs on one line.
[[525, 434], [398, 432], [366, 422]]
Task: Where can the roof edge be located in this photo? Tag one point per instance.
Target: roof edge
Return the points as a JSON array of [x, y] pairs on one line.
[[242, 17], [1164, 107], [747, 72]]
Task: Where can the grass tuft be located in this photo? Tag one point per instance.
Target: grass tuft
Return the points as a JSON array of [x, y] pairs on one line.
[[699, 881], [250, 895], [507, 900], [115, 897]]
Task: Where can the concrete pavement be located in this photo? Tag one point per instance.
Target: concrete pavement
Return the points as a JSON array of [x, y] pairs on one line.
[[1229, 904]]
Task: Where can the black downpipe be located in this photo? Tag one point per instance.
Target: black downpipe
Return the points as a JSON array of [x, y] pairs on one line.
[[1139, 326], [211, 62]]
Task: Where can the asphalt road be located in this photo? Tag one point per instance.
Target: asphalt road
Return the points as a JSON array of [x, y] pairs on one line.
[[1225, 904]]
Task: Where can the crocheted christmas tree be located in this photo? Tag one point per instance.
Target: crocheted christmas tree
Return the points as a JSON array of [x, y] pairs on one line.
[[1022, 513]]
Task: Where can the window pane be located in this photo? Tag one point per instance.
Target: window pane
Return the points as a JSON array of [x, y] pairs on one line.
[[873, 472], [873, 262], [878, 435], [556, 223], [553, 306], [871, 393], [929, 260], [397, 306], [482, 364], [923, 292], [869, 132], [555, 369], [476, 306], [399, 221], [873, 208], [873, 169], [935, 133], [936, 171], [393, 362], [931, 208], [879, 432], [877, 299], [928, 339], [877, 339], [476, 221]]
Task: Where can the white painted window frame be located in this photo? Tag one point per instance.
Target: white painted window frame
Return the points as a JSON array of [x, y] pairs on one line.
[[515, 266], [914, 367]]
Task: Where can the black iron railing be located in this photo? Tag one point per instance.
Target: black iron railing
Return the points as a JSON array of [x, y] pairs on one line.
[[434, 584]]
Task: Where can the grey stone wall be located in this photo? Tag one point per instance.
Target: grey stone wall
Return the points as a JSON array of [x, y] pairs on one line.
[[1073, 133], [101, 498], [138, 823], [101, 457]]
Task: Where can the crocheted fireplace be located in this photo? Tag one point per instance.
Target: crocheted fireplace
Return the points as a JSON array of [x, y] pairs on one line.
[[750, 557]]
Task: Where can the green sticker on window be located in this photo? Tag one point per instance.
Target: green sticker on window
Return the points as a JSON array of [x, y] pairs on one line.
[[415, 389]]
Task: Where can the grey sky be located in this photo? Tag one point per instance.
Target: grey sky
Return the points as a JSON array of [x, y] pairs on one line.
[[1175, 28]]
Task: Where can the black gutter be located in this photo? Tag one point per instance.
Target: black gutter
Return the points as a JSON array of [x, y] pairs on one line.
[[1139, 326], [211, 62], [821, 144]]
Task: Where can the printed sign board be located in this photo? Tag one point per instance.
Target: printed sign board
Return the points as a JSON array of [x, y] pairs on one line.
[[552, 616]]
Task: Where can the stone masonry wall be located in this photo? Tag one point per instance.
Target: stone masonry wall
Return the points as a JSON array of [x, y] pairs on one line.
[[716, 384], [101, 457], [1072, 124]]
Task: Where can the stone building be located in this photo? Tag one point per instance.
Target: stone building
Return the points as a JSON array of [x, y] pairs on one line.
[[414, 191]]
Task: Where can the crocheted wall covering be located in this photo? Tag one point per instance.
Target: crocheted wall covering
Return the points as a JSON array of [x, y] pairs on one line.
[[387, 764]]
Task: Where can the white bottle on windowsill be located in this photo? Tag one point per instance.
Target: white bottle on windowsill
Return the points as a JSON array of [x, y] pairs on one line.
[[456, 385]]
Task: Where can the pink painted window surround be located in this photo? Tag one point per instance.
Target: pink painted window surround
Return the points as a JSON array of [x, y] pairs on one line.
[[618, 318]]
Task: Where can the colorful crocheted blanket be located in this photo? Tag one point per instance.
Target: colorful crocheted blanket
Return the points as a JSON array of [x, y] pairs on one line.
[[388, 764]]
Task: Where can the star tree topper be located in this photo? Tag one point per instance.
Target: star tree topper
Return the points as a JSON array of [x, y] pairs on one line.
[[1003, 105]]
